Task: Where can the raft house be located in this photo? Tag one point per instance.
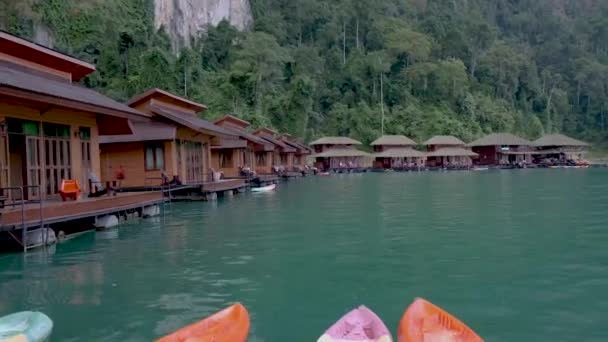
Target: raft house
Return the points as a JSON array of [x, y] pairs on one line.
[[282, 156], [299, 165], [397, 152], [49, 146], [339, 154], [448, 152], [255, 163], [503, 150], [172, 152], [559, 150]]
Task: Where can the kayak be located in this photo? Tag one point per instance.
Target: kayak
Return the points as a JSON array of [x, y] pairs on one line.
[[26, 326], [264, 188], [361, 324], [425, 322], [228, 325]]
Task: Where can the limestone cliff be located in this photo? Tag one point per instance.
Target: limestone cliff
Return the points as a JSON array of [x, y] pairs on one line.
[[184, 19]]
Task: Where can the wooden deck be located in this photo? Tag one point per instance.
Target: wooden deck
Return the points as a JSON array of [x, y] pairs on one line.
[[56, 211], [291, 174], [266, 178], [223, 185]]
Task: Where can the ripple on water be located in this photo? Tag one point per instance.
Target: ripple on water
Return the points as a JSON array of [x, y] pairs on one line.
[[500, 249]]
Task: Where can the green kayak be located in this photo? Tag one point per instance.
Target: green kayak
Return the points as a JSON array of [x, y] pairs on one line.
[[26, 326]]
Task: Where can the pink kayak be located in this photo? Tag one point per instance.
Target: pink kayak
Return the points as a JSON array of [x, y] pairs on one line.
[[361, 324]]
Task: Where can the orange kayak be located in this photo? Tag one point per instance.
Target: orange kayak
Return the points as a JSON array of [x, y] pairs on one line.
[[228, 325], [425, 322]]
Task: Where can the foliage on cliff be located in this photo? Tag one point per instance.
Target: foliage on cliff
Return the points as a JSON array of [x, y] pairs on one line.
[[316, 67]]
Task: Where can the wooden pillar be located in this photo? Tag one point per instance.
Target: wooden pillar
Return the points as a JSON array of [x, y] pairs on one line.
[[182, 162], [76, 158], [95, 152], [171, 158]]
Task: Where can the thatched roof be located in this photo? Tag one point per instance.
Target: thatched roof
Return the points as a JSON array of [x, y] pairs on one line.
[[399, 152], [393, 140], [341, 152], [451, 152], [335, 141], [500, 139], [444, 140], [558, 140]]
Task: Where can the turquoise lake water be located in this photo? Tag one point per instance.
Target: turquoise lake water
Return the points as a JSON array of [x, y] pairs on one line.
[[519, 255]]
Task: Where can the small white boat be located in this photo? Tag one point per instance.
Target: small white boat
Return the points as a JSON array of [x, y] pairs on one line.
[[25, 326], [264, 188], [481, 168]]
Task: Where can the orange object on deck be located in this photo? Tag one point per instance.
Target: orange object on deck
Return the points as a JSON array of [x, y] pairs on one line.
[[228, 325], [425, 322], [70, 188]]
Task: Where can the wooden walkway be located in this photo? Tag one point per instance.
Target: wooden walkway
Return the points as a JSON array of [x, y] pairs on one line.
[[223, 185], [55, 211]]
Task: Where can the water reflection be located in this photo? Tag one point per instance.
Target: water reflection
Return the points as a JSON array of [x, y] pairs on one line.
[[501, 249]]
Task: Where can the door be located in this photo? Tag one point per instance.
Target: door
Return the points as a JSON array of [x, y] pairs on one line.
[[194, 162]]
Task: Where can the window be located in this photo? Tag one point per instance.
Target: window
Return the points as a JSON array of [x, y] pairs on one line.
[[155, 157], [226, 159]]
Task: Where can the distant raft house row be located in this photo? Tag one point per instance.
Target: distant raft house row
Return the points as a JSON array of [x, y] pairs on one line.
[[53, 129], [60, 141], [496, 150]]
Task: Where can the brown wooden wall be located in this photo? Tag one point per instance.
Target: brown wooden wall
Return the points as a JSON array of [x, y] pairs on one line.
[[74, 119], [237, 161], [131, 156]]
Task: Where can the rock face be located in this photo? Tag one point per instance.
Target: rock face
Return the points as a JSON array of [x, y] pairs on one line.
[[185, 19]]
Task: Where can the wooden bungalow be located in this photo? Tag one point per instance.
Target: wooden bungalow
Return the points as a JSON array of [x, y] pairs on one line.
[[302, 151], [231, 157], [502, 149], [396, 152], [282, 157], [49, 124], [448, 152], [334, 153], [559, 148], [177, 144]]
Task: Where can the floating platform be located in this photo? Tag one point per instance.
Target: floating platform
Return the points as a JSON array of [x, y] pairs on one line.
[[36, 224], [291, 174], [57, 211]]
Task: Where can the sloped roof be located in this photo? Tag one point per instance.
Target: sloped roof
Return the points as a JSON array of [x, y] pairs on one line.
[[558, 140], [284, 147], [142, 131], [335, 141], [451, 152], [248, 136], [341, 152], [228, 143], [444, 140], [39, 54], [189, 121], [399, 152], [13, 76], [500, 139], [232, 120], [299, 148], [393, 140], [168, 97]]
